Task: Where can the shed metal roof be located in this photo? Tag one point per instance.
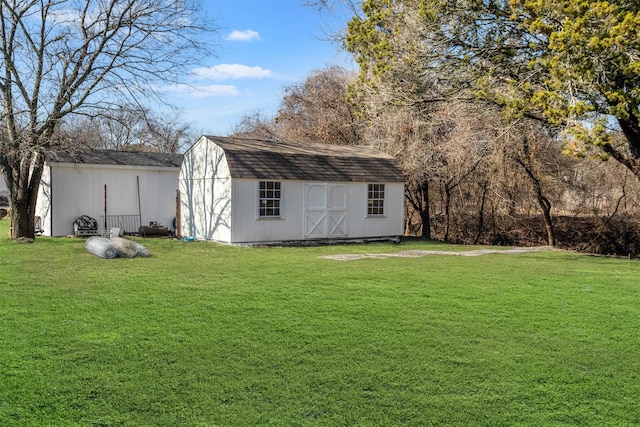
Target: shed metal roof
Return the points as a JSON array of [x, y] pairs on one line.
[[261, 159], [119, 158]]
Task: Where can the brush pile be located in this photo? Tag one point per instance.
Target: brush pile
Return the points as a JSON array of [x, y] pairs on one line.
[[115, 247]]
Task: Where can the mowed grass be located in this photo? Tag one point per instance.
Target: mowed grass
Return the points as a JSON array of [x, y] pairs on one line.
[[202, 334]]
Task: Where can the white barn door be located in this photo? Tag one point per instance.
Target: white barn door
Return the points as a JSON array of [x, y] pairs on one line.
[[315, 210], [338, 218], [325, 210]]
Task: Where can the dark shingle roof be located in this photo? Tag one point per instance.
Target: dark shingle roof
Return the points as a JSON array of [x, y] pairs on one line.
[[120, 158], [260, 159]]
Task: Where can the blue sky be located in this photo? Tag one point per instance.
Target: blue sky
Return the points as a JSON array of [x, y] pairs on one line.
[[264, 46]]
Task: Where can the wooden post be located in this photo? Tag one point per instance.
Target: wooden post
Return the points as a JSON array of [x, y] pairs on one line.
[[139, 206], [105, 208], [177, 213]]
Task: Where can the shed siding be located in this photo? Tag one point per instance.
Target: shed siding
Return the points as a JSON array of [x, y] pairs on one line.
[[69, 191], [390, 224], [43, 202], [205, 194], [3, 186], [250, 228]]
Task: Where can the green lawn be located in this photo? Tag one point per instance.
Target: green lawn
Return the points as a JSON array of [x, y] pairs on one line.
[[211, 335]]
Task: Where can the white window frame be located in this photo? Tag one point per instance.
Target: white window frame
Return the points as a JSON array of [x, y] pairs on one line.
[[263, 195], [376, 188]]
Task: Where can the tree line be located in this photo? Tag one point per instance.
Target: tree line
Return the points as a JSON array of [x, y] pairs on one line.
[[470, 178], [516, 122]]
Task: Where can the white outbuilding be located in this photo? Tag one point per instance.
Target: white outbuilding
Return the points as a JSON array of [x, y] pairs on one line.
[[250, 191], [3, 190], [118, 189]]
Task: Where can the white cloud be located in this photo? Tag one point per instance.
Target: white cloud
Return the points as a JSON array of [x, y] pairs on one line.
[[243, 36], [215, 90], [231, 71], [203, 91]]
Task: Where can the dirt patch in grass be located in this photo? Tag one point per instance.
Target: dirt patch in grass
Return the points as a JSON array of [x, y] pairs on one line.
[[415, 253]]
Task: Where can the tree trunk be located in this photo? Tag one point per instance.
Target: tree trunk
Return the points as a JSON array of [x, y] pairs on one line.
[[424, 209], [447, 208], [23, 194], [22, 221], [483, 200], [631, 130], [417, 195], [544, 203]]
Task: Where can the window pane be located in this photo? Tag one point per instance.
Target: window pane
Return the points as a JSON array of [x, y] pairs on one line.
[[375, 199], [269, 198]]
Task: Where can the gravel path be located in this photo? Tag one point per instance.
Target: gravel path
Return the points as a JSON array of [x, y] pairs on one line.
[[415, 253]]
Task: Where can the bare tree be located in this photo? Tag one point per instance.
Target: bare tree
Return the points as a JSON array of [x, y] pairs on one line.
[[256, 125], [117, 128], [317, 110], [130, 129], [167, 133], [330, 6], [68, 57], [314, 111], [530, 145]]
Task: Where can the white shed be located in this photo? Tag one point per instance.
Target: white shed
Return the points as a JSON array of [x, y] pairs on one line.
[[117, 188], [3, 190], [245, 191]]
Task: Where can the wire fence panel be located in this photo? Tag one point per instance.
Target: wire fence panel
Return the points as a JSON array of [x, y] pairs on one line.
[[128, 224]]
